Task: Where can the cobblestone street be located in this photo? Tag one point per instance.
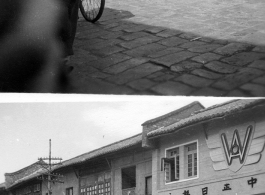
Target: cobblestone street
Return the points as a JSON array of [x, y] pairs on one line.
[[168, 47]]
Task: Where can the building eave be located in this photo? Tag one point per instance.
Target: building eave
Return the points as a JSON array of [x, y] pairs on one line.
[[211, 113]]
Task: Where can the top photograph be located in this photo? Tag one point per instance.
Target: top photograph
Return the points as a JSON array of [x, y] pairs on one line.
[[133, 47]]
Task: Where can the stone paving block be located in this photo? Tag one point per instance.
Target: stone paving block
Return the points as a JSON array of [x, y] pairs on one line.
[[206, 57], [172, 88], [260, 80], [251, 72], [164, 52], [232, 81], [140, 41], [220, 67], [87, 28], [204, 48], [168, 33], [192, 44], [135, 28], [120, 67], [189, 36], [112, 35], [96, 86], [108, 50], [259, 49], [98, 75], [185, 66], [208, 92], [172, 41], [206, 74], [260, 64], [91, 35], [237, 93], [132, 36], [141, 84], [232, 48], [145, 50], [83, 42], [120, 27], [206, 39], [78, 43], [134, 73], [155, 75], [101, 45], [111, 25], [194, 81], [244, 58], [81, 55], [154, 29], [163, 78], [174, 58], [220, 41], [254, 89], [82, 69], [109, 60]]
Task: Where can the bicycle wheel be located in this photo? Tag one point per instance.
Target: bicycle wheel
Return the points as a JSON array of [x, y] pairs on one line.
[[92, 9]]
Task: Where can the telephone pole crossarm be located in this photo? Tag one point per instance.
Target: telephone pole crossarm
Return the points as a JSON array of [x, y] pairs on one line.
[[49, 176]]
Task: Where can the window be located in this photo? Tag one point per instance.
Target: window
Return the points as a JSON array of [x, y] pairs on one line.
[[36, 188], [191, 159], [99, 184], [128, 177], [32, 189], [82, 191], [69, 191], [180, 163], [107, 188]]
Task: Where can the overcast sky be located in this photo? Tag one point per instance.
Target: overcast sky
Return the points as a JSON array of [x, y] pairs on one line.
[[75, 124]]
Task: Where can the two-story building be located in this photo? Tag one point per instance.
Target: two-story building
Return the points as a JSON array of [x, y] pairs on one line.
[[190, 151], [217, 150]]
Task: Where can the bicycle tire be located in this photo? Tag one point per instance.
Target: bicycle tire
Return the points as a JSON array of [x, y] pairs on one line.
[[92, 14]]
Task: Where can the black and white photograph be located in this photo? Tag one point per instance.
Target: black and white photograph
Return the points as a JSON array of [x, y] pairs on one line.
[[133, 47], [132, 97], [133, 146]]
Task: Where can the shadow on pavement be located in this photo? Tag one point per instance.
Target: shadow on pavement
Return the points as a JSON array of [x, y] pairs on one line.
[[117, 56]]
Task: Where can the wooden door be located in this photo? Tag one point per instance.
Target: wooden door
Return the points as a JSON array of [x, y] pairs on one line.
[[148, 184]]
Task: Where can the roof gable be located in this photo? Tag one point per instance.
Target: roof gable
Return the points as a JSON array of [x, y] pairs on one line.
[[212, 112], [168, 119]]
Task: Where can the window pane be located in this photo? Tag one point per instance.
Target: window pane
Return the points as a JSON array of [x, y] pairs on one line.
[[177, 168], [192, 147], [129, 177], [195, 163]]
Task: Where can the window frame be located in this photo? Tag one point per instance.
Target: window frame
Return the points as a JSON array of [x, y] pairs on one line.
[[68, 189], [129, 167], [185, 166], [93, 189]]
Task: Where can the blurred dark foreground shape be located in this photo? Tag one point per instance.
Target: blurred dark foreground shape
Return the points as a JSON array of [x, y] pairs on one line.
[[31, 46]]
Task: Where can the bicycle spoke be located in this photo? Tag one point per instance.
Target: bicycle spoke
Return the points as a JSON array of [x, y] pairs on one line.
[[92, 9]]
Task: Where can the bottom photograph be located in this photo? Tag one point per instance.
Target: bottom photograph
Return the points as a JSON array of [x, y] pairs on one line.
[[133, 146]]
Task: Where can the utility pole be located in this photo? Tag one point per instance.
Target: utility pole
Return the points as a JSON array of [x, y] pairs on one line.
[[49, 176]]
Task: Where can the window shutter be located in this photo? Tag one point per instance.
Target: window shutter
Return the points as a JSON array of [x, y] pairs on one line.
[[165, 166], [177, 167]]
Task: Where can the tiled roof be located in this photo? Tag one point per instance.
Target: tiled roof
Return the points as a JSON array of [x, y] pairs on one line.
[[114, 147], [212, 112], [24, 174], [172, 113], [2, 185]]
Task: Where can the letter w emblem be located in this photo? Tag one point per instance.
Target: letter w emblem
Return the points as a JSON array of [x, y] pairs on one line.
[[237, 149]]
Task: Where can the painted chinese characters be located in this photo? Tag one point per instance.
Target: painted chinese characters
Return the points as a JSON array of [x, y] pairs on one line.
[[225, 187]]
